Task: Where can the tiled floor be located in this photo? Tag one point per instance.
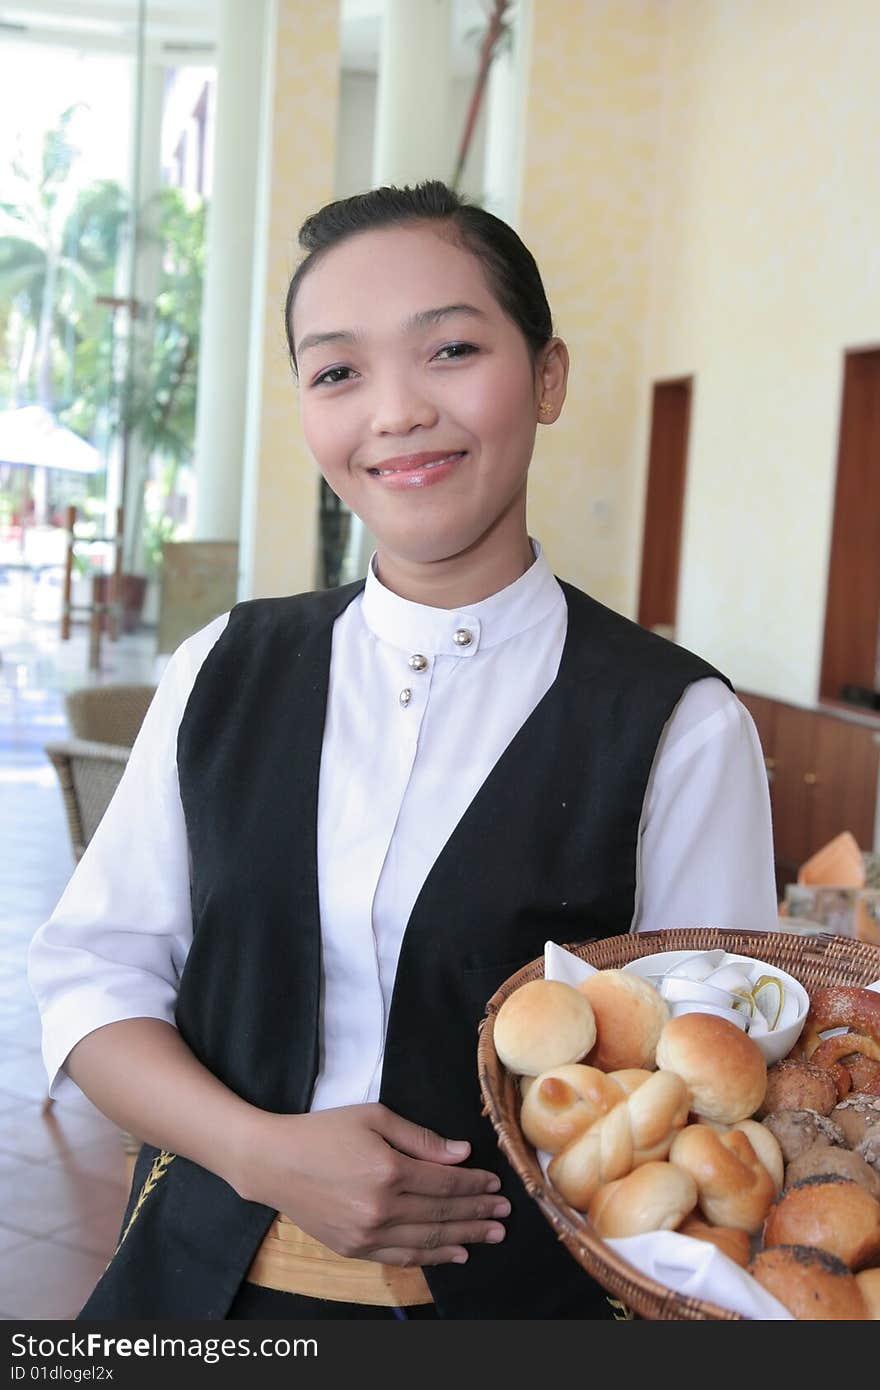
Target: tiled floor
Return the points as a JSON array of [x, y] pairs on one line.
[[62, 1169]]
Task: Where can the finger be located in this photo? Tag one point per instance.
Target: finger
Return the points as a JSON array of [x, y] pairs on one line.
[[443, 1255], [422, 1239], [435, 1180], [416, 1140], [436, 1211]]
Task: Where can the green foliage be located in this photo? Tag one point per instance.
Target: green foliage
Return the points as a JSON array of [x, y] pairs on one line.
[[59, 246], [161, 402]]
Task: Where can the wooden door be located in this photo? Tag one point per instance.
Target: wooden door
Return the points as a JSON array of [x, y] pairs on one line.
[[664, 504], [852, 614]]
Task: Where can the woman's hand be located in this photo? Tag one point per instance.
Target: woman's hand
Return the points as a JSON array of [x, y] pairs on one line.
[[372, 1185]]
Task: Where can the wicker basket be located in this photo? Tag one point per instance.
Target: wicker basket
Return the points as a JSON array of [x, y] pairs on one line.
[[815, 961]]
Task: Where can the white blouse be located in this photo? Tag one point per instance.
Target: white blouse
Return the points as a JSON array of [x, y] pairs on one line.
[[422, 702]]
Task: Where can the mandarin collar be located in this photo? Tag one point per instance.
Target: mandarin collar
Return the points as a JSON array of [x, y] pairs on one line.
[[461, 632]]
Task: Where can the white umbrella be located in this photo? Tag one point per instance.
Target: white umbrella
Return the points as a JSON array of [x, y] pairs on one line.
[[33, 437]]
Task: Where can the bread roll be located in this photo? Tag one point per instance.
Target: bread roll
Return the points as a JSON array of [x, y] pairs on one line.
[[798, 1130], [832, 1161], [768, 1149], [868, 1147], [799, 1086], [543, 1024], [863, 1072], [630, 1014], [833, 1214], [655, 1197], [856, 1115], [869, 1287], [810, 1283], [562, 1103], [638, 1130], [733, 1186], [723, 1068], [734, 1244]]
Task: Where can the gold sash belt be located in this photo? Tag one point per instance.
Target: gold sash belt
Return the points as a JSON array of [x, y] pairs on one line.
[[294, 1262]]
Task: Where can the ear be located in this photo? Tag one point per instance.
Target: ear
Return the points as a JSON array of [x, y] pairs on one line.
[[551, 381]]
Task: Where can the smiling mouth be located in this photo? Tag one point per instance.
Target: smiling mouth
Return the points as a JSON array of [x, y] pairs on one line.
[[417, 464]]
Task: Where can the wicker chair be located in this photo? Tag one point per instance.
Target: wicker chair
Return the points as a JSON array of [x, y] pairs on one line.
[[108, 713], [104, 721]]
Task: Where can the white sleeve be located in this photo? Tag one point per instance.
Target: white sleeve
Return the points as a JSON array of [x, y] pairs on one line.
[[116, 943], [706, 842]]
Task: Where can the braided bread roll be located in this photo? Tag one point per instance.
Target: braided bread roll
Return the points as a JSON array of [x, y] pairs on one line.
[[654, 1197], [734, 1188], [636, 1131], [560, 1104]]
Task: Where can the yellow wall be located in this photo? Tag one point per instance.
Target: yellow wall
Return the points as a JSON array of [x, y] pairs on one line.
[[767, 270], [279, 524], [592, 104], [702, 191]]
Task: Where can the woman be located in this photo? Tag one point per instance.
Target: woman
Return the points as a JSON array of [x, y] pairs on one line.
[[352, 814]]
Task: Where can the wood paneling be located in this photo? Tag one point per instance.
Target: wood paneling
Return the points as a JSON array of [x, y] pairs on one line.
[[664, 503], [823, 772]]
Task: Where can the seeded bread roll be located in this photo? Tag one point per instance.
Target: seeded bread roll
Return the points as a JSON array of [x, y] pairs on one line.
[[722, 1067], [856, 1115], [798, 1130], [868, 1147], [630, 1014], [829, 1213], [543, 1024], [832, 1161], [810, 1283], [799, 1086]]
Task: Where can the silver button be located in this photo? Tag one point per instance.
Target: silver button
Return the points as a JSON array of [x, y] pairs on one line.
[[462, 638], [405, 696], [417, 662]]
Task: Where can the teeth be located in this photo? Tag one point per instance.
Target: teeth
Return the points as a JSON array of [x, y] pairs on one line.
[[422, 467]]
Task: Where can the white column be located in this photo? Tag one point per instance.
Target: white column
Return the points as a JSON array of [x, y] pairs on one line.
[[505, 115], [229, 260], [296, 155], [145, 182], [413, 92], [413, 104]]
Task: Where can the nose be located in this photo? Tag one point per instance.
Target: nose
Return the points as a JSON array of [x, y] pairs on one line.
[[401, 407]]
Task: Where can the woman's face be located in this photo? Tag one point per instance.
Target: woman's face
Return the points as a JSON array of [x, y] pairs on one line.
[[418, 398]]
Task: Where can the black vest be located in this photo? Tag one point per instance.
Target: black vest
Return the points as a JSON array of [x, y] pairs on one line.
[[546, 850]]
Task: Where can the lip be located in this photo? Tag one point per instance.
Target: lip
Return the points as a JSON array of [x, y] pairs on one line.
[[416, 470]]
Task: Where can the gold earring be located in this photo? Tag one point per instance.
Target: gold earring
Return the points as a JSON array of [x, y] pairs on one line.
[[546, 407]]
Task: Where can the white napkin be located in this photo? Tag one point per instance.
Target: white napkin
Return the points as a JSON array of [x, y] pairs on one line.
[[695, 1268]]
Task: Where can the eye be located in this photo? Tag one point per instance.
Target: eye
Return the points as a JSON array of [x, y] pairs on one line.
[[453, 351], [333, 376]]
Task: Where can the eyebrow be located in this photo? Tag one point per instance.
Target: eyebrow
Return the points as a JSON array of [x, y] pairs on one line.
[[425, 318]]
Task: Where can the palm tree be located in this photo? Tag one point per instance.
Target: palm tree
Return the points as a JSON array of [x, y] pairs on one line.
[[58, 243], [58, 247]]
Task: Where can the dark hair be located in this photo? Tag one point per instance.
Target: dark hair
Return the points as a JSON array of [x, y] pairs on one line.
[[508, 264]]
